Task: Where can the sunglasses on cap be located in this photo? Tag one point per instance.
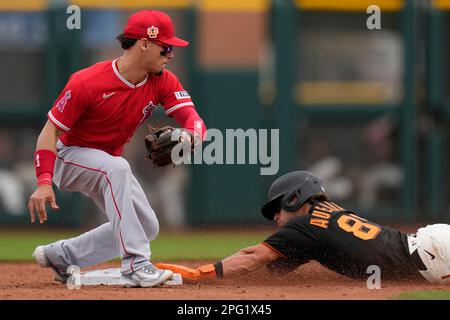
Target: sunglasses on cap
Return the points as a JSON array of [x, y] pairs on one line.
[[166, 49]]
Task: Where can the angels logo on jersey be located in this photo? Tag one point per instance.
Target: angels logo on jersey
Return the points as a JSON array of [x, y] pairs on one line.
[[62, 103], [147, 111]]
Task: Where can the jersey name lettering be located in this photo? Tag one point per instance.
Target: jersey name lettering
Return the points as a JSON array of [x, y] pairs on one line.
[[322, 214], [319, 223]]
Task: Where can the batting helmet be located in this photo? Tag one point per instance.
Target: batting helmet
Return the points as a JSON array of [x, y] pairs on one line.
[[291, 191]]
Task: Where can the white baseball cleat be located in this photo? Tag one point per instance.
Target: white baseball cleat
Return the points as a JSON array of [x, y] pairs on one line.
[[148, 276], [41, 258]]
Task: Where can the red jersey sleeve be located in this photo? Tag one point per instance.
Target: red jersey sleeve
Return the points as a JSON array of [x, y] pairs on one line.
[[172, 94], [70, 104]]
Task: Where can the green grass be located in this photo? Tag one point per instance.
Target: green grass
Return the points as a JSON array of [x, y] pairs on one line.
[[18, 246], [424, 295]]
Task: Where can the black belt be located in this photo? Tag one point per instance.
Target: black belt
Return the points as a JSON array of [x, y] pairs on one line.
[[415, 258]]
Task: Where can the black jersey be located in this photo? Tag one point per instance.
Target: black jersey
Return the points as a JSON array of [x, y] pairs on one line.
[[343, 242]]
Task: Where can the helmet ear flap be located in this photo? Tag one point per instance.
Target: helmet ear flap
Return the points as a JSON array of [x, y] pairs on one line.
[[292, 201]]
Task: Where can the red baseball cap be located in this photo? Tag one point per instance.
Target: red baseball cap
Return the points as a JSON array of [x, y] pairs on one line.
[[152, 25]]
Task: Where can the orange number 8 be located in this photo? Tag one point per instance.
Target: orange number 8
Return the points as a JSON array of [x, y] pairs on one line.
[[358, 226]]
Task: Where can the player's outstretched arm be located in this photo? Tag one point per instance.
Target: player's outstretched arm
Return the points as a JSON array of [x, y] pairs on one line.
[[248, 260], [244, 261], [45, 154]]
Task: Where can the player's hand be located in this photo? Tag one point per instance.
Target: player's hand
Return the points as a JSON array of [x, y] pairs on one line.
[[36, 204], [201, 273]]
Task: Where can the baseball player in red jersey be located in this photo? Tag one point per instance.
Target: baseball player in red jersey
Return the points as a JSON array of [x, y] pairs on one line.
[[79, 149]]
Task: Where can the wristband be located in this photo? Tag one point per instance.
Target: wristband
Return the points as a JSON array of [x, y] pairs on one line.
[[44, 163], [44, 178], [219, 269]]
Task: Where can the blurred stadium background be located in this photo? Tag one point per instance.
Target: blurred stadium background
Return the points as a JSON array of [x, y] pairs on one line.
[[367, 110]]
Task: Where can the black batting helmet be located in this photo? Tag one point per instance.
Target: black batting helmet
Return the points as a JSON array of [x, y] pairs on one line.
[[296, 185]]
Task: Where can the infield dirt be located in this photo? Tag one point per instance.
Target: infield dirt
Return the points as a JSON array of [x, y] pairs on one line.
[[28, 281]]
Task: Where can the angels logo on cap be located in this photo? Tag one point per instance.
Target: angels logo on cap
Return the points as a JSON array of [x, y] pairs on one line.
[[152, 25], [153, 32]]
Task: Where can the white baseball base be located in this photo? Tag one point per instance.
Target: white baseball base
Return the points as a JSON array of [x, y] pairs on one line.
[[109, 277]]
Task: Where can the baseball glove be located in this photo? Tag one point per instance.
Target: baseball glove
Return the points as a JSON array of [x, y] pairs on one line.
[[160, 142]]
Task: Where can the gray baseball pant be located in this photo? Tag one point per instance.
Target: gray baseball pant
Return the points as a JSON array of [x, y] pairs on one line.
[[108, 180]]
